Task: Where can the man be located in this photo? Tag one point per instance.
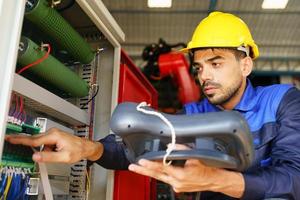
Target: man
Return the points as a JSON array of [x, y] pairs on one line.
[[223, 51]]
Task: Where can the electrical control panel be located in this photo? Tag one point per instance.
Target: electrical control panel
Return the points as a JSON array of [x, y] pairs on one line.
[[61, 70]]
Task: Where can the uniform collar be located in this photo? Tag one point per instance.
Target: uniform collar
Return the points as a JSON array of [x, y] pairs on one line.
[[248, 100]]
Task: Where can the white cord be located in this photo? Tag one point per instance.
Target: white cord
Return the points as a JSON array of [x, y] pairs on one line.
[[150, 112], [45, 179]]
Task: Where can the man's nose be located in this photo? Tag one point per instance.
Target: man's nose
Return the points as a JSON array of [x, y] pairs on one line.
[[205, 74]]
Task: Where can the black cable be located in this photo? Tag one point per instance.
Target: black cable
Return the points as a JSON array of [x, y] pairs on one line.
[[97, 90], [71, 3], [178, 45]]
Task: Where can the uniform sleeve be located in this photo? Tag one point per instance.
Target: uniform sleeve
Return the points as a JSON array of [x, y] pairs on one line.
[[113, 154], [282, 178]]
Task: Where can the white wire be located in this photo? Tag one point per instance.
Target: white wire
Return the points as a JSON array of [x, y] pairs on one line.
[[150, 112]]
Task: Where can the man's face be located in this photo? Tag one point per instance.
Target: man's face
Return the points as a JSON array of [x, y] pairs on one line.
[[219, 73]]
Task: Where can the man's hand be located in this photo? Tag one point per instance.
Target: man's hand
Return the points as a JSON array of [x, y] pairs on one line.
[[59, 146], [193, 177]]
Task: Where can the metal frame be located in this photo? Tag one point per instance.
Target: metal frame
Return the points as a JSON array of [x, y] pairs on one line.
[[271, 67], [44, 101], [11, 19], [98, 13], [102, 181]]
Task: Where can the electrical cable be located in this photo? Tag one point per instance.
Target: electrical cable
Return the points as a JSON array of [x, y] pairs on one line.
[[23, 120], [21, 108], [71, 3], [182, 44], [11, 102], [22, 116], [17, 108], [97, 90], [11, 190], [37, 61], [17, 186], [45, 180], [88, 184], [2, 187], [9, 180], [26, 182], [21, 189]]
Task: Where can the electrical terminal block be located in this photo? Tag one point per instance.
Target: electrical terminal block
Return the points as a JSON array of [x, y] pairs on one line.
[[29, 129], [17, 156], [24, 128], [13, 128]]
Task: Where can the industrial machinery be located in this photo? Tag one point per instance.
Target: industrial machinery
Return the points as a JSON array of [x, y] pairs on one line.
[[163, 63]]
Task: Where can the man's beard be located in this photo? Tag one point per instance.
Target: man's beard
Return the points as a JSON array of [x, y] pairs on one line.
[[228, 94]]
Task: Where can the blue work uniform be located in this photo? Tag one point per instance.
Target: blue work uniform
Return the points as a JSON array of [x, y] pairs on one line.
[[273, 115]]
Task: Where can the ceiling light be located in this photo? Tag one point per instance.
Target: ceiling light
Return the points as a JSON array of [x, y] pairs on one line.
[[274, 4], [159, 3]]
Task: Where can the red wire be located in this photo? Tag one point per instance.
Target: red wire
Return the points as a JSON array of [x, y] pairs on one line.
[[11, 102], [25, 117], [23, 113], [37, 61], [17, 105], [21, 108]]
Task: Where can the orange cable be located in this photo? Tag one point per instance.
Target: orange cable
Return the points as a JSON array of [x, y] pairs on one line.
[[37, 61]]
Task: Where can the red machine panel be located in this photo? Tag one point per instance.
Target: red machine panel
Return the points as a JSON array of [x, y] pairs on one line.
[[134, 87]]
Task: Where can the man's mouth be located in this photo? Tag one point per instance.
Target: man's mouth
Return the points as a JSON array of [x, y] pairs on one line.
[[209, 87], [209, 90]]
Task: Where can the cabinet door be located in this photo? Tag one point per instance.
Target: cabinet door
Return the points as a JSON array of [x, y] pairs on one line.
[[134, 87]]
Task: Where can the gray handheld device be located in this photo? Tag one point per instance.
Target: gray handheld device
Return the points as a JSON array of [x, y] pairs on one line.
[[219, 139]]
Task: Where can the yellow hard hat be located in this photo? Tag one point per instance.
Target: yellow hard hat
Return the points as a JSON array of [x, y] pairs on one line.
[[222, 30]]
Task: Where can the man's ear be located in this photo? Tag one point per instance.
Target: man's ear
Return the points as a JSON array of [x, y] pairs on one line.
[[246, 66]]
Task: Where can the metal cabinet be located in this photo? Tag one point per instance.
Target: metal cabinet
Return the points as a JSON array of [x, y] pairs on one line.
[[46, 103]]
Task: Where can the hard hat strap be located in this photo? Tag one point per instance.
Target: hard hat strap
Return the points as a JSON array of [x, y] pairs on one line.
[[245, 49]]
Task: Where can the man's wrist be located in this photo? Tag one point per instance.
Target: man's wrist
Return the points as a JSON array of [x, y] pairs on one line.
[[93, 150], [230, 183]]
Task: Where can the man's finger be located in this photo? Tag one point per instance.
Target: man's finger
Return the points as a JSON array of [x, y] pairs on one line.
[[176, 171], [153, 165], [33, 141], [193, 162], [180, 147], [52, 157], [159, 175]]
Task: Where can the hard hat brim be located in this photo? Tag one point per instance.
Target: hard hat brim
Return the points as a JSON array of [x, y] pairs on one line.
[[184, 50]]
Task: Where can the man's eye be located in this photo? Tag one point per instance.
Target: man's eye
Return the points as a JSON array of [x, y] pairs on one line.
[[216, 64], [197, 69]]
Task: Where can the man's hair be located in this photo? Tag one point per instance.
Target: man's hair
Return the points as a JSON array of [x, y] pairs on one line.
[[237, 53]]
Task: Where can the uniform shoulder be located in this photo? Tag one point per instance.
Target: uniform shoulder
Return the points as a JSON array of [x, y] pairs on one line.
[[271, 96], [271, 90]]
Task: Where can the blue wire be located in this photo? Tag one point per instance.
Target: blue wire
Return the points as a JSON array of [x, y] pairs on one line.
[[22, 190], [11, 190], [17, 186], [3, 184]]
